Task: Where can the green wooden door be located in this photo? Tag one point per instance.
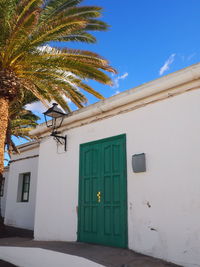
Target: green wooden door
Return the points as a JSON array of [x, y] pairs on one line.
[[103, 192]]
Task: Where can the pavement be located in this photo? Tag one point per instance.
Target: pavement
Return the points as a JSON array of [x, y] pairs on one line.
[[34, 257], [99, 255]]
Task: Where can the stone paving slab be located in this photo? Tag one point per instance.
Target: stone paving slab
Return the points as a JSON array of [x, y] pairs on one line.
[[107, 256]]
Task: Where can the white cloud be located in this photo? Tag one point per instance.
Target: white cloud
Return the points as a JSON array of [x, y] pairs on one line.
[[116, 92], [67, 99], [186, 58], [36, 107], [47, 49], [191, 56], [167, 64], [40, 108], [124, 76], [116, 80]]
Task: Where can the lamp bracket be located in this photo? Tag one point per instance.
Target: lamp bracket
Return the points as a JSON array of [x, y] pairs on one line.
[[58, 138]]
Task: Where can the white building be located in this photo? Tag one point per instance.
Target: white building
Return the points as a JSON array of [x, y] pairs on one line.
[[91, 193], [130, 176], [21, 187], [3, 191]]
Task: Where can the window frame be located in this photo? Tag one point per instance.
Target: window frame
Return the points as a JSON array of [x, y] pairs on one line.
[[2, 187], [24, 183]]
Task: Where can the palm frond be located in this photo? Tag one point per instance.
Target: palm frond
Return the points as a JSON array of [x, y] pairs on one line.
[[79, 36], [53, 7], [21, 121], [45, 72]]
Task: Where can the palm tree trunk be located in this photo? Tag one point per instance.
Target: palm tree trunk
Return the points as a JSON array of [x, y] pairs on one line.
[[4, 107]]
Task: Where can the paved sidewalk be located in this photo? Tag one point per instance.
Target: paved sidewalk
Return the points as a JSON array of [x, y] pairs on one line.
[[106, 256], [39, 257]]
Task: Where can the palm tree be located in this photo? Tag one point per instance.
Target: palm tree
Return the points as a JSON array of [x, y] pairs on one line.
[[29, 63], [21, 122]]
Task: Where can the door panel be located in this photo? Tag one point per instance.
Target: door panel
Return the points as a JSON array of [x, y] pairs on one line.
[[103, 192]]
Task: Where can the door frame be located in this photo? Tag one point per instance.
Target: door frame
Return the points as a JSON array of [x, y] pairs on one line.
[[125, 177]]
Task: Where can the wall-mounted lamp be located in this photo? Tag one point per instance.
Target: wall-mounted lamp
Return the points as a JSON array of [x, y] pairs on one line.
[[57, 117]]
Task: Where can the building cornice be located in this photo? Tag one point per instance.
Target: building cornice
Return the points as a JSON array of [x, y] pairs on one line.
[[27, 146], [167, 86], [25, 158]]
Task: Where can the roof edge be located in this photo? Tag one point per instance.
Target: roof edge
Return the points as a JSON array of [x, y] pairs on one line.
[[27, 146], [152, 88]]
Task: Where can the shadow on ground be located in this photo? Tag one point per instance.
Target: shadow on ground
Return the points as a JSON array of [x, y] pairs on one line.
[[106, 256], [15, 232]]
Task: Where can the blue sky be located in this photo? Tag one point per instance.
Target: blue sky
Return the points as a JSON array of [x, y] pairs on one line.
[[146, 35], [147, 39]]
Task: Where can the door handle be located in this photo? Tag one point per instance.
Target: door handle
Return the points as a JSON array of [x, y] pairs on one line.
[[99, 196]]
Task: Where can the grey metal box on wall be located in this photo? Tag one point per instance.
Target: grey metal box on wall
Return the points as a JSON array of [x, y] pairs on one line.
[[139, 163]]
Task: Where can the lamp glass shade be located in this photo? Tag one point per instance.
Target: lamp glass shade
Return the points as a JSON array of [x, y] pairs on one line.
[[54, 112]]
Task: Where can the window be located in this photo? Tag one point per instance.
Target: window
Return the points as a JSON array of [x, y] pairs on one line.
[[25, 187], [2, 187]]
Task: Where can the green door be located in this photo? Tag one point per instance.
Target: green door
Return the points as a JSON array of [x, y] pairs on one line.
[[103, 192]]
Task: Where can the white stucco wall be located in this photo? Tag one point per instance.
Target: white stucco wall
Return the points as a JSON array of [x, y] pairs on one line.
[[21, 214], [3, 198], [163, 202]]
